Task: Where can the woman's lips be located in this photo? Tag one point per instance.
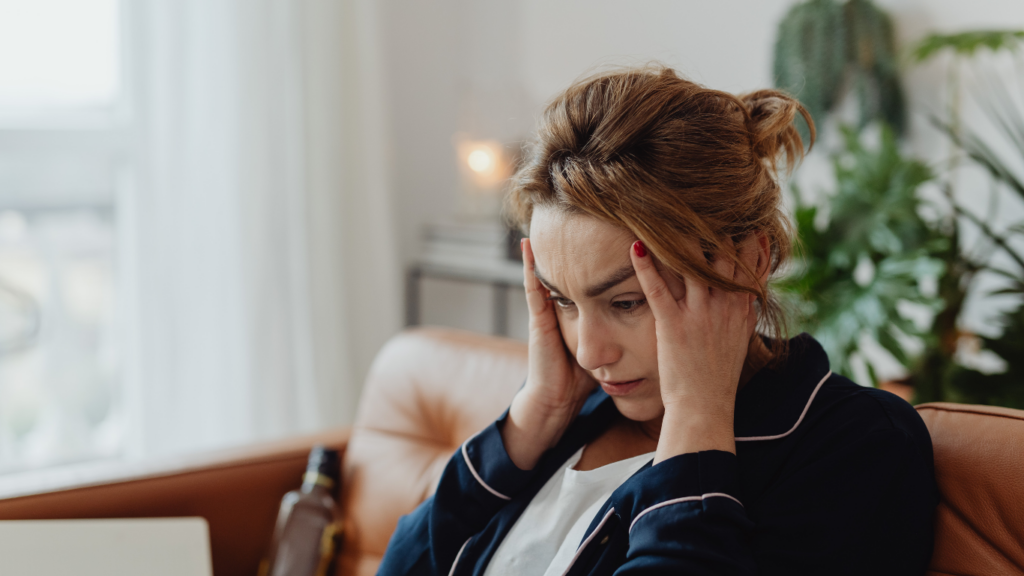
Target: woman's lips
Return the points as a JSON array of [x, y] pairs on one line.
[[621, 388]]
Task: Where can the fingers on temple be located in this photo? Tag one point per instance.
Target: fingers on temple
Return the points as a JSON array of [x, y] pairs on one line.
[[658, 295], [536, 295]]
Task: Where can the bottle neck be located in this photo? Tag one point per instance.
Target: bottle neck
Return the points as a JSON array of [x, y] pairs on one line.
[[311, 479]]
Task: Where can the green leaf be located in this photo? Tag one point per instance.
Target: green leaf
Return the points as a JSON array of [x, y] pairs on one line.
[[824, 47], [967, 43], [873, 213], [983, 154], [1006, 389], [893, 346], [810, 55], [1004, 291]]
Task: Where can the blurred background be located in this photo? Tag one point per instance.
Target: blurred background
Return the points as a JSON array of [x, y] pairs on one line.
[[214, 212]]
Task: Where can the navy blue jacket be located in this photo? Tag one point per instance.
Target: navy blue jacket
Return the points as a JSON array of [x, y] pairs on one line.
[[829, 477]]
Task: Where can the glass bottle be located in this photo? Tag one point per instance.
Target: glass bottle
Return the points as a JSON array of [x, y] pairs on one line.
[[305, 537]]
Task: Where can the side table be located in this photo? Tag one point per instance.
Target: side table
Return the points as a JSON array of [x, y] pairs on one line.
[[499, 274]]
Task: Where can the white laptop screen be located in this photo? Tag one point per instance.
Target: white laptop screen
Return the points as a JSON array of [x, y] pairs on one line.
[[115, 547]]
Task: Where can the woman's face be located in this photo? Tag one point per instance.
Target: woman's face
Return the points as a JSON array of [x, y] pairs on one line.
[[602, 312]]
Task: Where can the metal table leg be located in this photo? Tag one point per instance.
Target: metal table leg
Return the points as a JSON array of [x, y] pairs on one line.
[[412, 296], [500, 305]]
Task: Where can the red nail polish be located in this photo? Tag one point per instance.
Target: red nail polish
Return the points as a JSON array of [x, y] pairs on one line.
[[638, 247]]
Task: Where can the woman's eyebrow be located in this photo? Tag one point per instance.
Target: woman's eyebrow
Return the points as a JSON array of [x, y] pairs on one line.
[[551, 287], [620, 276], [623, 274]]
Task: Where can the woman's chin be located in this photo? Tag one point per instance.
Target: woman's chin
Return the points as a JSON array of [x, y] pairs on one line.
[[640, 408]]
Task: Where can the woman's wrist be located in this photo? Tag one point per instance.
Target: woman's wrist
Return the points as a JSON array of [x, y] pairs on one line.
[[532, 428], [688, 428]]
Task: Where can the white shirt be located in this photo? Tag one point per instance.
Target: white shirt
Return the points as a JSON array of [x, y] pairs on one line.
[[545, 538]]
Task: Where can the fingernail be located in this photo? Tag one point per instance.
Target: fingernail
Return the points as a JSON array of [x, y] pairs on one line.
[[638, 247], [522, 243]]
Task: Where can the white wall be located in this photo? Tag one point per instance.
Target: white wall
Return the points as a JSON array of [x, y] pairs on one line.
[[488, 67]]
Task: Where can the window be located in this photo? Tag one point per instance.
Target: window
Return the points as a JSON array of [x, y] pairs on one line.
[[59, 62], [61, 127]]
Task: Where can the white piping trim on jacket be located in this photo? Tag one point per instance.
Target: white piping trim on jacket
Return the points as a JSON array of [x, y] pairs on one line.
[[465, 454], [579, 550], [798, 420], [459, 555], [680, 500]]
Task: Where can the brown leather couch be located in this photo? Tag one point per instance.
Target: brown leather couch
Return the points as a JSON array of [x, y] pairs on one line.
[[430, 389]]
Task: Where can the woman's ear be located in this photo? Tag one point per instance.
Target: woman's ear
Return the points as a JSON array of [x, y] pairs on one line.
[[764, 257], [755, 251]]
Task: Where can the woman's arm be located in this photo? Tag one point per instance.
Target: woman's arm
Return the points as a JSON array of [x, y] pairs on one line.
[[863, 505], [556, 386], [686, 517], [478, 481], [704, 337], [491, 467]]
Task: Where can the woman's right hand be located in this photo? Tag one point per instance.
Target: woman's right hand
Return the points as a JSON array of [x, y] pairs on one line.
[[556, 386]]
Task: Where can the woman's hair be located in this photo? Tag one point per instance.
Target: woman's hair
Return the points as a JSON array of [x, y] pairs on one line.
[[673, 162]]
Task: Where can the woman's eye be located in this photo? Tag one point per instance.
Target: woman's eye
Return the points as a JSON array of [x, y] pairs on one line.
[[562, 302], [629, 305]]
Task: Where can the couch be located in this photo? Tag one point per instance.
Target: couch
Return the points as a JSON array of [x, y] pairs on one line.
[[428, 390]]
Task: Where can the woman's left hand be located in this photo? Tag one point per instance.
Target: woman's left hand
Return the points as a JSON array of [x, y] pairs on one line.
[[703, 336]]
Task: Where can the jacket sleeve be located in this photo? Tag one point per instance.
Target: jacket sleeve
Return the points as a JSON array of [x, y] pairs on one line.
[[478, 481], [864, 507]]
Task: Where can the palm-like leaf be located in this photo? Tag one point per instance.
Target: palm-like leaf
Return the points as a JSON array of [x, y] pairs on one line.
[[1004, 112]]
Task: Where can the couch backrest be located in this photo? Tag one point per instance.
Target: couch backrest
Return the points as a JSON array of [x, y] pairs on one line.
[[428, 390], [979, 465]]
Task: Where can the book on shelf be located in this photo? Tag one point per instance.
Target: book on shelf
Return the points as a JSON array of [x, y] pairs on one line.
[[470, 241]]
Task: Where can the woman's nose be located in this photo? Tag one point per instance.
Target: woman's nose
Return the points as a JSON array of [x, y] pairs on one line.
[[596, 344]]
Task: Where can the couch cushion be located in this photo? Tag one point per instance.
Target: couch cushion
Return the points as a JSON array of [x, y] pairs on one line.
[[979, 465], [429, 389]]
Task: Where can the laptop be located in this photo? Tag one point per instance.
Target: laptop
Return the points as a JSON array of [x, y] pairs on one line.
[[115, 547]]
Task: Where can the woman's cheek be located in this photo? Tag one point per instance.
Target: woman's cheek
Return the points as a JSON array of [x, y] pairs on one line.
[[567, 324], [643, 341]]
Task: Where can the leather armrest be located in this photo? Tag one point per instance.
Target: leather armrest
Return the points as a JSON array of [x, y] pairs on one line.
[[979, 467], [237, 492]]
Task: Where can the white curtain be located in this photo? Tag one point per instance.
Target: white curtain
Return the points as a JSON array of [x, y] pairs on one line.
[[260, 266]]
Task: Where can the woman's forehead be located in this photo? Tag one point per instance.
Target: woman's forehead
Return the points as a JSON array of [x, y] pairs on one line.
[[557, 233], [573, 252]]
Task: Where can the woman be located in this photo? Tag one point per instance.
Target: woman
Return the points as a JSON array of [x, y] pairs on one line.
[[665, 426]]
